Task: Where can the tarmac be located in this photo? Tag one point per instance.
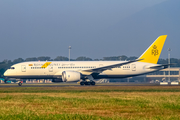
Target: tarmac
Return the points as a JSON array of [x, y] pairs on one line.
[[74, 84]]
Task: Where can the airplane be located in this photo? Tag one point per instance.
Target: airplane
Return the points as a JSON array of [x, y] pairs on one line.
[[88, 71]]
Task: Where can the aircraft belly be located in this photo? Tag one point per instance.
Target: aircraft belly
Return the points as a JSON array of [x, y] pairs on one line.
[[33, 76], [119, 72], [114, 76]]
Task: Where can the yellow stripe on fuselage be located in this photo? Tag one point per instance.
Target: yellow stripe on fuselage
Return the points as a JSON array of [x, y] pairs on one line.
[[46, 64]]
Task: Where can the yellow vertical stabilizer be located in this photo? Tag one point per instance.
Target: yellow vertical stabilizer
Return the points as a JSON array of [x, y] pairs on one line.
[[151, 55]]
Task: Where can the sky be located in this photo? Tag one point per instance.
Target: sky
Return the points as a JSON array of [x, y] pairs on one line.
[[31, 28]]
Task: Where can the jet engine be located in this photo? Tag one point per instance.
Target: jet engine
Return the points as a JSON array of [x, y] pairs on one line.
[[71, 76]]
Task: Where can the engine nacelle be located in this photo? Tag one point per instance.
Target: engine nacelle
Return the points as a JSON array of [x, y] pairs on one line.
[[71, 76]]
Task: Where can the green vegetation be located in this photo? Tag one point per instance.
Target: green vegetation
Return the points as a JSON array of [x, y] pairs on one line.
[[77, 89], [100, 102]]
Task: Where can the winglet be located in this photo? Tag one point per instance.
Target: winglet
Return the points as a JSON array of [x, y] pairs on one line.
[[152, 54]]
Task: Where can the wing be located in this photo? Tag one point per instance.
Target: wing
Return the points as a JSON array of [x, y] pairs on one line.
[[109, 67]]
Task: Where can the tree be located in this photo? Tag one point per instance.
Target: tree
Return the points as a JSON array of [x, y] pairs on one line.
[[43, 58], [82, 58], [132, 58], [162, 61], [61, 58], [110, 58], [18, 60], [31, 59], [115, 58], [3, 67], [96, 59], [176, 61], [123, 57]]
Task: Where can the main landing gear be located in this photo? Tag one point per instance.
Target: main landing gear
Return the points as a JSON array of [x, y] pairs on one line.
[[87, 83]]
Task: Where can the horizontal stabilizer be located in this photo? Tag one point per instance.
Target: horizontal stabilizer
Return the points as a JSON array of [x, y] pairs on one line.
[[164, 66]]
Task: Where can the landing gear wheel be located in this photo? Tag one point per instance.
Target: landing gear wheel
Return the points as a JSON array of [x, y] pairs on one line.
[[87, 83], [93, 83], [82, 83], [20, 83]]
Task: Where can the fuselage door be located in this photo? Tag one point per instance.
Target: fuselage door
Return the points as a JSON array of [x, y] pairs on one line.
[[23, 68], [50, 68], [133, 67]]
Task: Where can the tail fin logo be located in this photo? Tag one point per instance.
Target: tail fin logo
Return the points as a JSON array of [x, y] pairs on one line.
[[151, 55], [155, 50]]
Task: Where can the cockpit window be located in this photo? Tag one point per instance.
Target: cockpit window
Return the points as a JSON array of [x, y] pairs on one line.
[[12, 67]]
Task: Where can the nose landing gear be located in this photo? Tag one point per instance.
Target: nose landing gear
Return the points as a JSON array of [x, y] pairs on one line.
[[20, 83]]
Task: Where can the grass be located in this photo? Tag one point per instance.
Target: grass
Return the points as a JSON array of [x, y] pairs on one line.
[[97, 102], [79, 89]]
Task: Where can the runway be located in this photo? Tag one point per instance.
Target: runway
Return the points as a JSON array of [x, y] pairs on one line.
[[74, 84]]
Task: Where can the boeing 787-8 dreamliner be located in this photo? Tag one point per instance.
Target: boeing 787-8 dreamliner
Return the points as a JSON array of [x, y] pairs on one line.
[[88, 71]]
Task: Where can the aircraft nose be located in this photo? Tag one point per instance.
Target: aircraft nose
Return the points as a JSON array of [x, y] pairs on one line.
[[6, 73]]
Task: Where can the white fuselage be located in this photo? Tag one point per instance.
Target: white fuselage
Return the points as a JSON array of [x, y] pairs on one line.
[[34, 70]]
